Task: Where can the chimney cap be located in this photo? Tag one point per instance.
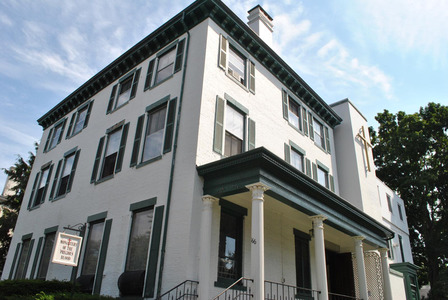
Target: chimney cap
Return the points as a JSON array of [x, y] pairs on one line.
[[261, 8]]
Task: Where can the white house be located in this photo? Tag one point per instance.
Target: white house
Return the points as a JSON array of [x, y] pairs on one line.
[[199, 159]]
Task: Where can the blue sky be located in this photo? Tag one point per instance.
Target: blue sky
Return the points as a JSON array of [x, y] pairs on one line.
[[380, 54]]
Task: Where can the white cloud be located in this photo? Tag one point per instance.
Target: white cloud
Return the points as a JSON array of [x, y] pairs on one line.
[[5, 20]]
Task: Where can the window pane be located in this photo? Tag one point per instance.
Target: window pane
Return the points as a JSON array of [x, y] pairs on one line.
[[21, 272], [125, 91], [139, 240], [229, 264], [165, 66], [293, 113], [93, 249], [113, 143], [46, 256], [235, 122], [43, 179], [80, 120], [57, 132], [322, 177], [154, 134], [237, 65], [65, 175], [233, 145], [297, 160]]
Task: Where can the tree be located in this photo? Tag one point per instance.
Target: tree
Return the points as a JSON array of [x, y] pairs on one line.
[[411, 156], [19, 174]]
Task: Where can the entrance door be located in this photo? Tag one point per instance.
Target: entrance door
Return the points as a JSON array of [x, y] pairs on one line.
[[340, 273], [303, 278]]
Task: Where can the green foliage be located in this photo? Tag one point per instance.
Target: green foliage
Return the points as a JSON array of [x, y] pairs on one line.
[[411, 156], [43, 296], [19, 173]]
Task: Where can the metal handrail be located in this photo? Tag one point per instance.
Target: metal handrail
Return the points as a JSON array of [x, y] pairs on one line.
[[191, 293], [232, 285], [287, 291], [335, 296]]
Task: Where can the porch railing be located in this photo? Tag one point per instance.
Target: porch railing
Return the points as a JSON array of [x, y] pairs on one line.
[[239, 290], [187, 290], [281, 291], [334, 296]]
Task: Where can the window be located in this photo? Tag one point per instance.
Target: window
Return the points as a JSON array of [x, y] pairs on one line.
[[124, 90], [390, 250], [24, 258], [40, 186], [230, 246], [230, 133], [55, 135], [46, 255], [295, 156], [139, 240], [292, 111], [389, 202], [80, 119], [158, 136], [65, 173], [319, 133], [235, 62], [113, 151], [400, 241], [168, 61], [322, 177], [92, 250], [302, 253], [400, 213]]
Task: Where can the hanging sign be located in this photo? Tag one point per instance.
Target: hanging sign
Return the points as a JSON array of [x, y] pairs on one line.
[[67, 249]]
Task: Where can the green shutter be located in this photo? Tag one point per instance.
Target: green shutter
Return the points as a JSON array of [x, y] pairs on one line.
[[223, 45], [14, 260], [96, 164], [55, 180], [34, 188], [71, 125], [287, 153], [72, 172], [331, 183], [102, 257], [89, 110], [135, 84], [314, 171], [251, 134], [47, 143], [149, 74], [124, 136], [36, 258], [169, 128], [308, 167], [219, 125], [310, 122], [305, 121], [110, 106], [285, 104], [151, 270], [137, 138], [252, 77], [179, 56], [46, 185], [327, 140]]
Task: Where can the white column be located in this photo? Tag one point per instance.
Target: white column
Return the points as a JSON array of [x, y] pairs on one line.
[[205, 246], [319, 253], [362, 280], [386, 276], [257, 239]]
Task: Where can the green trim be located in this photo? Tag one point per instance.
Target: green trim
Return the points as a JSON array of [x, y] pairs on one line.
[[51, 229], [127, 76], [158, 103], [167, 48], [27, 236], [102, 257], [322, 166], [151, 269], [232, 208], [70, 152], [236, 104], [97, 217], [146, 162], [115, 127], [143, 204], [297, 148], [36, 258], [409, 272]]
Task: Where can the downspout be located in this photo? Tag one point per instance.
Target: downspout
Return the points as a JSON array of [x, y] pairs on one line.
[[173, 160]]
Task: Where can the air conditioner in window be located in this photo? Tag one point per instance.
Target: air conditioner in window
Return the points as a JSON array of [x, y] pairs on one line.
[[236, 76]]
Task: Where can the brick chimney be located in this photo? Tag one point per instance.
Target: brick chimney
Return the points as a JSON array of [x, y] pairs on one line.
[[261, 23]]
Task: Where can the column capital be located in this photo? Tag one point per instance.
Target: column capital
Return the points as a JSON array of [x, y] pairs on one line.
[[209, 199], [257, 186], [358, 238], [383, 251], [318, 218]]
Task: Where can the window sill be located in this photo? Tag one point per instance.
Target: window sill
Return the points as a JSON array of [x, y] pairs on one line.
[[58, 198], [146, 162], [117, 108], [320, 147], [296, 128], [236, 81], [104, 179], [75, 134], [159, 83], [34, 207]]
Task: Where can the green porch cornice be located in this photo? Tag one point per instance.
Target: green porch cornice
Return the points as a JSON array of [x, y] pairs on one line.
[[174, 28], [230, 176]]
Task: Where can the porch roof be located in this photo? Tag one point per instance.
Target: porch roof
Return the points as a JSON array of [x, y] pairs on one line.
[[230, 176]]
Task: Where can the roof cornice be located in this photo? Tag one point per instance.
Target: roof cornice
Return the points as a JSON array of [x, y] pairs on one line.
[[175, 27]]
